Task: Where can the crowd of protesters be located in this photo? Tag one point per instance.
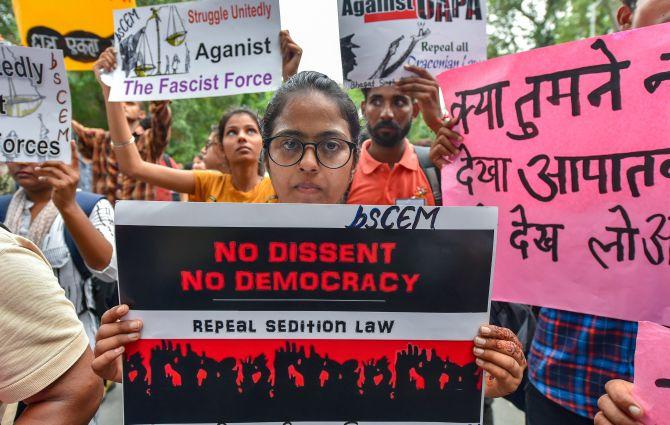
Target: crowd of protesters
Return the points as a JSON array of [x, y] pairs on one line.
[[57, 246]]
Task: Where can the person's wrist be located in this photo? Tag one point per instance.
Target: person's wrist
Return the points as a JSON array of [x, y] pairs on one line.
[[119, 145], [69, 208]]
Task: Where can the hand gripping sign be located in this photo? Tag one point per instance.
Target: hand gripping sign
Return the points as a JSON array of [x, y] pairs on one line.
[[652, 372]]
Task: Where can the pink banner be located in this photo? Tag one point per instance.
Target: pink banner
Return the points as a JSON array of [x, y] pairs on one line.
[[572, 142], [652, 373]]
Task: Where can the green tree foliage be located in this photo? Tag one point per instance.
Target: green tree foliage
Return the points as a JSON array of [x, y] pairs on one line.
[[514, 25], [518, 25], [7, 22]]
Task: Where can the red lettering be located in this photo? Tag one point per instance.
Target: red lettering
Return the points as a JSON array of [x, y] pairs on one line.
[[368, 283], [328, 252], [308, 252], [214, 281], [263, 281], [227, 250], [326, 277], [410, 281], [347, 253], [285, 283], [277, 252], [350, 281], [248, 252], [292, 252], [305, 283], [244, 281], [189, 281], [388, 248], [231, 251], [366, 254], [384, 286]]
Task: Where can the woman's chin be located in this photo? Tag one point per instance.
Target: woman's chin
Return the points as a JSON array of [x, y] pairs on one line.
[[244, 158], [302, 197]]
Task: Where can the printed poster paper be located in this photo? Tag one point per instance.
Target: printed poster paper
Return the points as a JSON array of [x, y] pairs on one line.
[[378, 37], [260, 313], [196, 49], [35, 109]]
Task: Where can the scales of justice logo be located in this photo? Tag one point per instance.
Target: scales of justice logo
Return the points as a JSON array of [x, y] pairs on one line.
[[159, 47], [23, 101]]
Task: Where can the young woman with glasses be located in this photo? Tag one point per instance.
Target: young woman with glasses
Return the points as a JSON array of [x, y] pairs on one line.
[[309, 132]]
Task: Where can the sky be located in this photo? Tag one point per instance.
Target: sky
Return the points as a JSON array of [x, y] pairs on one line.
[[305, 19]]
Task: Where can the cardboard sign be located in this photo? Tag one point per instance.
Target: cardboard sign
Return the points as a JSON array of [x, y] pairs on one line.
[[652, 372], [35, 109], [258, 313], [82, 29], [576, 155], [378, 37], [197, 49]]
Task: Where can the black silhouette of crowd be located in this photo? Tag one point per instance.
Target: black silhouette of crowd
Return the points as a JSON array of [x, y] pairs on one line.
[[304, 386]]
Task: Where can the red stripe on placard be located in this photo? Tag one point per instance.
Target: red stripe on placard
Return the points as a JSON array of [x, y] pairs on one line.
[[390, 16], [140, 354]]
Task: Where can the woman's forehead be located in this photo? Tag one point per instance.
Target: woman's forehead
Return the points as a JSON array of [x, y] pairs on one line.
[[241, 120], [311, 113]]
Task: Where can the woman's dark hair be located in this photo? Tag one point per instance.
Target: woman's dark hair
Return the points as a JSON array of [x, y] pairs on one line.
[[220, 132], [630, 3], [305, 82]]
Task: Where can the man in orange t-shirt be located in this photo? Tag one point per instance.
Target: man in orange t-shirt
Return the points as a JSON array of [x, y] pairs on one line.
[[388, 170]]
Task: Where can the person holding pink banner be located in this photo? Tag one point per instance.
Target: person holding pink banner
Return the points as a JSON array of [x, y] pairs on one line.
[[574, 355], [618, 406]]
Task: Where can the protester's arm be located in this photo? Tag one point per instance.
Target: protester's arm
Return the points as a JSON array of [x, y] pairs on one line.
[[618, 406], [500, 354], [291, 54], [425, 89], [445, 145], [94, 248], [159, 135], [110, 341], [72, 400], [128, 157], [87, 136]]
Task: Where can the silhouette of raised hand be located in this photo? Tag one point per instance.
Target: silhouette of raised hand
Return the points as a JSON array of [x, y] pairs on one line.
[[431, 370], [285, 357]]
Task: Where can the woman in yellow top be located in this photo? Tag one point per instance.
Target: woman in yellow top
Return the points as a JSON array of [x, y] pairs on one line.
[[239, 134], [241, 143]]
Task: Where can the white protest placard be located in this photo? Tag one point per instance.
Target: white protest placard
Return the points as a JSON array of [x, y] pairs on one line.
[[196, 49], [378, 37], [35, 109], [263, 314]]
